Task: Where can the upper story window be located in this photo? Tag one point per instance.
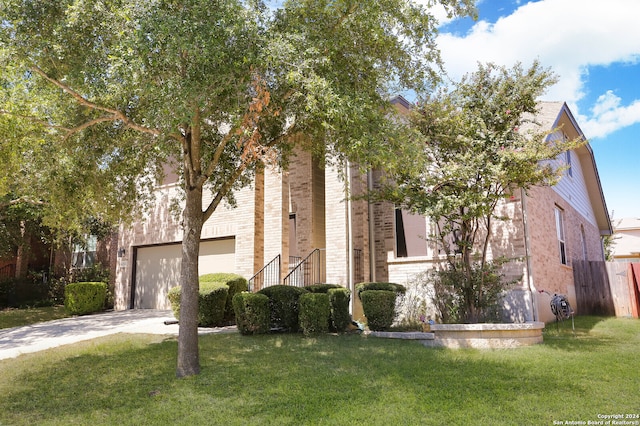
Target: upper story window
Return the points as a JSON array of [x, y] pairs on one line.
[[567, 156], [84, 255], [559, 214], [411, 230]]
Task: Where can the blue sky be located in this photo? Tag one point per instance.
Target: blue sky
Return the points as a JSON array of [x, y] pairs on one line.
[[594, 48]]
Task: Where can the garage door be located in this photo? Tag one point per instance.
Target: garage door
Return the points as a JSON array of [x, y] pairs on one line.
[[158, 269]]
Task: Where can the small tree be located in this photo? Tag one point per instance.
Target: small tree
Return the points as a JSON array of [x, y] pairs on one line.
[[476, 153]]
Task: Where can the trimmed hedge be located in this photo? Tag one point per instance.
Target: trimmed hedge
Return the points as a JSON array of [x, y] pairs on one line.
[[379, 308], [252, 313], [314, 313], [85, 297], [339, 302], [321, 288], [398, 288], [212, 300], [236, 284], [283, 306]]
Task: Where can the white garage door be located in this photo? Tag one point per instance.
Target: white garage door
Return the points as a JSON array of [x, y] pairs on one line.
[[158, 269]]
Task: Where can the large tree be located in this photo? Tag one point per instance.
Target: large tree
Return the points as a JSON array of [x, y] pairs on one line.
[[110, 90], [481, 145]]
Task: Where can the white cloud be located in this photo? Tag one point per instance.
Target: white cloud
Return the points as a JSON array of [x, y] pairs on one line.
[[568, 36], [608, 115]]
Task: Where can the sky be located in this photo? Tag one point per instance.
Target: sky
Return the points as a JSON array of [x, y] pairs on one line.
[[593, 46]]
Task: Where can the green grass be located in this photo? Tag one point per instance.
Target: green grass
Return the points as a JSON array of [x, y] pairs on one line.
[[18, 317], [329, 380]]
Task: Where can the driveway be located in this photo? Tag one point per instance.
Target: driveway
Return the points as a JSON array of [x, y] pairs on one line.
[[37, 337]]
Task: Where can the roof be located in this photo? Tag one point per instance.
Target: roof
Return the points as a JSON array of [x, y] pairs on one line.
[[552, 115], [627, 223]]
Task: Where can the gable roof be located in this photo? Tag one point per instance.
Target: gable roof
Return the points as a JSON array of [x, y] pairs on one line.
[[555, 115]]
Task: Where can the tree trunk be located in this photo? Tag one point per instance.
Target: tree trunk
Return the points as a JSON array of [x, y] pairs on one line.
[[188, 356], [23, 253]]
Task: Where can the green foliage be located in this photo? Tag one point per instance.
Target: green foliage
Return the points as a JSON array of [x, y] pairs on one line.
[[283, 306], [174, 295], [314, 313], [267, 380], [212, 300], [252, 313], [459, 298], [85, 297], [212, 304], [398, 288], [339, 301], [236, 284], [98, 96], [480, 146], [321, 288], [379, 308]]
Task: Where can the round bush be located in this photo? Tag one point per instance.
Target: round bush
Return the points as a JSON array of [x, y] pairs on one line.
[[314, 313], [236, 284], [252, 313], [85, 297], [212, 300], [398, 288], [283, 306], [339, 301], [321, 288], [379, 308]]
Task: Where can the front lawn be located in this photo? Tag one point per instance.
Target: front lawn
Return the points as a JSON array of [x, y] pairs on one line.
[[18, 317], [334, 380]]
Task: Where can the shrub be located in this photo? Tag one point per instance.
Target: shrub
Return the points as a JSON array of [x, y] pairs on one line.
[[85, 297], [314, 313], [174, 299], [380, 286], [339, 302], [379, 308], [470, 297], [252, 313], [283, 306], [212, 300], [236, 284], [321, 288]]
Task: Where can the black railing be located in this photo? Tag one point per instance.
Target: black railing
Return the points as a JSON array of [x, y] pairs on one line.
[[358, 266], [310, 270], [267, 276]]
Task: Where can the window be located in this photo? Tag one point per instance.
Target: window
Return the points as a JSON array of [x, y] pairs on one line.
[[569, 168], [410, 234], [559, 213], [84, 255]]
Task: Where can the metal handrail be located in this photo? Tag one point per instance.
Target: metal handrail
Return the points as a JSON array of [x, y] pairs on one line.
[[310, 270], [267, 276]]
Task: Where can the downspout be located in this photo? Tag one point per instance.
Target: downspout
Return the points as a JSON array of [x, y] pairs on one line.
[[527, 251], [372, 239], [350, 270]]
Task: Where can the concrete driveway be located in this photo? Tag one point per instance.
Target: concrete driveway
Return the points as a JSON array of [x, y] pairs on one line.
[[37, 337]]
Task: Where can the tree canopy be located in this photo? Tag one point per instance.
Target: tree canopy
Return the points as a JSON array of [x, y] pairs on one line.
[[481, 144], [97, 95]]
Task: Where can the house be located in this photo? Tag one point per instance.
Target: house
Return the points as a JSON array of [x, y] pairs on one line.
[[299, 227], [627, 240]]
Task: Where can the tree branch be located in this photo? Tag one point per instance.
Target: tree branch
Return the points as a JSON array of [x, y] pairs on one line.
[[23, 199], [117, 115]]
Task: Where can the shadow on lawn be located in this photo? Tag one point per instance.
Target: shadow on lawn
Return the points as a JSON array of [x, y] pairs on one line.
[[562, 336], [289, 379]]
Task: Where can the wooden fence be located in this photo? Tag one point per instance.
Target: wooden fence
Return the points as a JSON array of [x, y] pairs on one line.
[[606, 288]]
